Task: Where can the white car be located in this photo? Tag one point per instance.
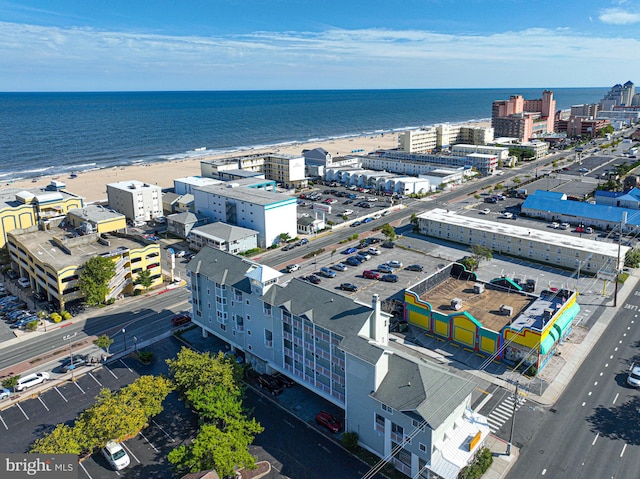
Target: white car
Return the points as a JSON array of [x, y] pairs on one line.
[[292, 268], [347, 212], [555, 225], [181, 253], [633, 379], [485, 211], [374, 251], [31, 380], [24, 282], [116, 455], [395, 264]]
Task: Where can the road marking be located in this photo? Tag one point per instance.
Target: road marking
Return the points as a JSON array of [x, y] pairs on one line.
[[165, 432], [125, 365], [606, 365], [589, 393], [96, 380], [595, 439], [327, 450], [45, 406], [623, 448], [4, 423], [544, 471], [85, 471], [144, 437], [484, 401], [596, 383], [601, 374], [583, 404], [19, 407], [620, 342], [623, 335], [129, 451], [112, 373], [616, 348], [611, 357], [58, 391], [78, 386], [615, 398]]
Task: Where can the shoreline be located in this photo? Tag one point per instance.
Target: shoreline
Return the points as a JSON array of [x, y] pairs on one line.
[[91, 183]]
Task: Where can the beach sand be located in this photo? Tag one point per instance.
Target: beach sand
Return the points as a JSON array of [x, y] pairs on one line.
[[91, 185]]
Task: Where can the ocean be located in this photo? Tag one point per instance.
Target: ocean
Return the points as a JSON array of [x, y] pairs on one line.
[[57, 133]]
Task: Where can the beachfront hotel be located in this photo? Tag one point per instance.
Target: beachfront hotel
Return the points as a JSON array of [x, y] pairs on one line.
[[23, 208], [429, 138], [402, 406], [524, 119]]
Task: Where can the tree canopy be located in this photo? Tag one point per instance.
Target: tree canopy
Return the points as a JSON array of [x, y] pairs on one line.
[[388, 231], [95, 277]]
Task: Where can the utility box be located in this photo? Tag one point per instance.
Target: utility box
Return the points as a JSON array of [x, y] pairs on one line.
[[530, 286], [456, 304], [478, 288], [506, 310]]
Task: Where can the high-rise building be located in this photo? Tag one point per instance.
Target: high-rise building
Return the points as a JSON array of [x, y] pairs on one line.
[[619, 95], [524, 119]]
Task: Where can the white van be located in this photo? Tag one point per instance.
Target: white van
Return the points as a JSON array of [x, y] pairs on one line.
[[31, 380], [565, 226]]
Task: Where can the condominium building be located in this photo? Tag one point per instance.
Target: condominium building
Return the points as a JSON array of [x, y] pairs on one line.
[[407, 409], [563, 251], [428, 139], [136, 200], [619, 95], [422, 140], [483, 163], [232, 239], [270, 214], [23, 208]]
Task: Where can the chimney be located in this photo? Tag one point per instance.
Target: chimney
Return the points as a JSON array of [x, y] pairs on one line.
[[378, 328]]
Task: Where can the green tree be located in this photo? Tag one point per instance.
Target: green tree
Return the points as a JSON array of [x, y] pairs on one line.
[[95, 277], [191, 369], [632, 258], [481, 253], [144, 279], [10, 382], [388, 231], [103, 342], [213, 448], [62, 440], [470, 263], [284, 237]]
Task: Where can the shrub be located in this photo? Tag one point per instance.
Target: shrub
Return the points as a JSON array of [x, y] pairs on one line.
[[65, 315], [32, 325], [55, 317], [137, 292], [145, 357], [481, 463]]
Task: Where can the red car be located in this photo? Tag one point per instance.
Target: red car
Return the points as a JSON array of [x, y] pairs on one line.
[[370, 274], [180, 319], [323, 418]]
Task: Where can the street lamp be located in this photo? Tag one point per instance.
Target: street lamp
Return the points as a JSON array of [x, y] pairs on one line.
[[69, 337], [135, 344], [124, 336]]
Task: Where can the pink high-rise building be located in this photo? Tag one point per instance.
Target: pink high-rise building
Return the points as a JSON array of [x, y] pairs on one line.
[[524, 119]]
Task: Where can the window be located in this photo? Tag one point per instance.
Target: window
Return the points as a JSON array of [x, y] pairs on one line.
[[399, 430], [386, 408], [237, 295], [422, 447], [379, 423], [267, 309]]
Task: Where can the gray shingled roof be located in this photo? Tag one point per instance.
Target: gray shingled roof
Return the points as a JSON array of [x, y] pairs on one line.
[[225, 232], [425, 389], [222, 268]]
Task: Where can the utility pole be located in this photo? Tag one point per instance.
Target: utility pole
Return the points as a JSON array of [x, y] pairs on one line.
[[623, 220], [69, 337], [513, 418]]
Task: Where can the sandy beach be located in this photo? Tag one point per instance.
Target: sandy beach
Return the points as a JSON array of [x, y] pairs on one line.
[[92, 184]]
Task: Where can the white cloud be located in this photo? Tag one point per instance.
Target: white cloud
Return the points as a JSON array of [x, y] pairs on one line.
[[46, 58], [618, 16]]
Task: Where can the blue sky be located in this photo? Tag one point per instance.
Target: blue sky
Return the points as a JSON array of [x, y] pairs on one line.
[[107, 45]]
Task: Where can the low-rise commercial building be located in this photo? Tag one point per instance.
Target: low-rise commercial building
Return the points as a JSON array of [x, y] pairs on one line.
[[403, 408], [563, 251], [232, 239]]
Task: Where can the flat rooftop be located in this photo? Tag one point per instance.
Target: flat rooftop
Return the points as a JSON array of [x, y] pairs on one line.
[[42, 246], [485, 307], [509, 228], [250, 195], [8, 195]]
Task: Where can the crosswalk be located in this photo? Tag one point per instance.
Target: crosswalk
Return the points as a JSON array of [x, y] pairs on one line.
[[503, 412]]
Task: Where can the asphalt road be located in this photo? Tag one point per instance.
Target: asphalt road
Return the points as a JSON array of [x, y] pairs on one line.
[[593, 431]]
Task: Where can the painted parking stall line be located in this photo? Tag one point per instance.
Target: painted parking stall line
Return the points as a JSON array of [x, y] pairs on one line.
[[148, 442], [85, 470], [20, 407], [45, 406], [126, 366], [78, 386], [171, 438], [95, 379], [130, 452], [112, 373], [4, 423], [61, 395]]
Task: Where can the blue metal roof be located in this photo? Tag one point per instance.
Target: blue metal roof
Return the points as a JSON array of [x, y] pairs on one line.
[[581, 210], [631, 195], [557, 195]]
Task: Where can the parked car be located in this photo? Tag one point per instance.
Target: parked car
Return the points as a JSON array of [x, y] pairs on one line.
[[313, 279], [370, 274], [363, 256], [390, 278], [367, 220], [324, 419], [350, 250], [374, 251], [69, 364], [22, 322], [385, 268], [292, 268], [395, 264], [356, 223], [388, 244], [349, 287], [284, 381], [347, 212], [485, 211], [31, 380], [340, 267], [269, 384], [353, 261], [415, 267], [115, 455], [303, 242], [12, 274], [327, 272], [180, 319], [24, 282], [4, 393]]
